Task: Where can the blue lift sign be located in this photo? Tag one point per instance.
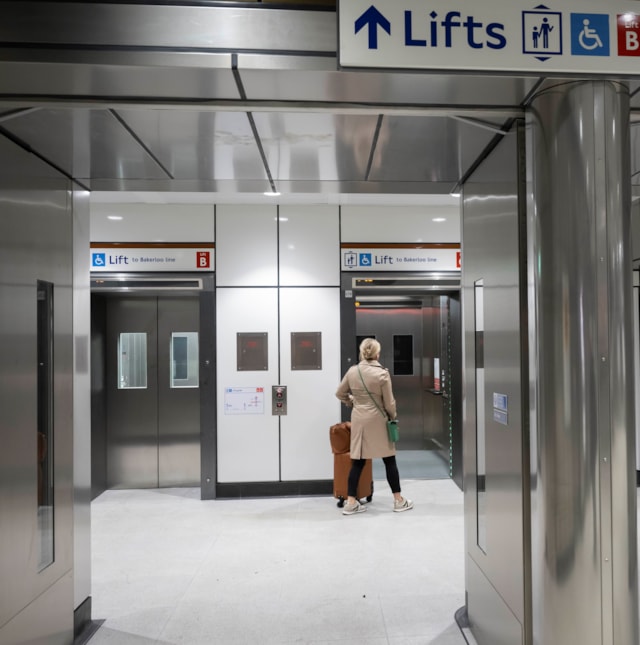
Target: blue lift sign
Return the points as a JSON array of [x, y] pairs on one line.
[[588, 37]]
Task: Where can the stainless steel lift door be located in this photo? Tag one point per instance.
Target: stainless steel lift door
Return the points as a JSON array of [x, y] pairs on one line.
[[153, 430], [384, 324]]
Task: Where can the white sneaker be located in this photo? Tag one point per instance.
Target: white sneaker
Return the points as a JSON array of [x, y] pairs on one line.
[[402, 505], [352, 509]]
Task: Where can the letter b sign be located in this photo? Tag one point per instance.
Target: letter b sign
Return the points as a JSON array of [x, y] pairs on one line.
[[204, 259], [628, 34]]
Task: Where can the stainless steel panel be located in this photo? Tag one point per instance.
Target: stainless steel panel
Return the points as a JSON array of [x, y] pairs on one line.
[[426, 149], [127, 74], [157, 26], [491, 246], [316, 147], [279, 78], [81, 399], [46, 621], [491, 620], [199, 145], [35, 243], [584, 556], [86, 144], [178, 408], [383, 324], [132, 414]]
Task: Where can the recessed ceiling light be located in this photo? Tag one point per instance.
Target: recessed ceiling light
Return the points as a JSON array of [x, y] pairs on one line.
[[114, 217], [272, 194], [439, 219]]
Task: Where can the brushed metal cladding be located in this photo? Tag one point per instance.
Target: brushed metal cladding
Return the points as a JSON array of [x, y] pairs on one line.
[[583, 497], [157, 26], [316, 147], [491, 246], [81, 398], [384, 324], [35, 244], [47, 620], [151, 76], [426, 149], [178, 408], [132, 414], [306, 79], [86, 143], [199, 145]]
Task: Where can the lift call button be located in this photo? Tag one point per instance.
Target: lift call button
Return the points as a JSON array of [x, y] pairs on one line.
[[279, 400]]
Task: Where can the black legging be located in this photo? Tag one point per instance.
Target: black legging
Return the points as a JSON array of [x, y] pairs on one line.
[[393, 477]]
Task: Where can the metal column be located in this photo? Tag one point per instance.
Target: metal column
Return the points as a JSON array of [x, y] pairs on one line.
[[583, 496]]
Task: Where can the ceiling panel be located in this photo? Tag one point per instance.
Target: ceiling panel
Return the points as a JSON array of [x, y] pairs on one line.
[[199, 145], [85, 144], [423, 149], [321, 147], [384, 88]]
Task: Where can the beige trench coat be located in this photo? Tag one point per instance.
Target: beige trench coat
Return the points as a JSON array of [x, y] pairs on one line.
[[369, 437]]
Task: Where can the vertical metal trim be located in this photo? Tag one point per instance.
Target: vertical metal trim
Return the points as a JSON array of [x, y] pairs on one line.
[[604, 378], [520, 131], [157, 383], [208, 391], [278, 334], [623, 497]]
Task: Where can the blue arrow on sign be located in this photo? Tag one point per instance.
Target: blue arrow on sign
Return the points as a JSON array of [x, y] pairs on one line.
[[372, 17]]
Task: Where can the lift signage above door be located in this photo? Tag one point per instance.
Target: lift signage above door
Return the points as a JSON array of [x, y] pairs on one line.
[[585, 37], [124, 259], [400, 259]]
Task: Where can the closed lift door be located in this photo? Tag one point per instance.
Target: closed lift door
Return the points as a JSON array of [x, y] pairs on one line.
[[153, 394]]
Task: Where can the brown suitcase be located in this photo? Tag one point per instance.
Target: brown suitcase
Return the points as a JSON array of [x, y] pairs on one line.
[[340, 438]]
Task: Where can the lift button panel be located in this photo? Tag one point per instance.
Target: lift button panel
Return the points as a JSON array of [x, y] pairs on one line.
[[279, 400]]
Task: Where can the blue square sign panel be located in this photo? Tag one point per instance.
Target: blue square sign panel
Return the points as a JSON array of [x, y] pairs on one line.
[[98, 259], [589, 34], [365, 259]]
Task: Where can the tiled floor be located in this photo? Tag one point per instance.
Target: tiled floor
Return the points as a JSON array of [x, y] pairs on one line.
[[171, 569]]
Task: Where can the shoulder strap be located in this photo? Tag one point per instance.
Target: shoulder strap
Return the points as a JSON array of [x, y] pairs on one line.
[[370, 395]]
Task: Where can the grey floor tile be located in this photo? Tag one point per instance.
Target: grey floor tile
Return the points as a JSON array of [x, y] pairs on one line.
[[169, 568]]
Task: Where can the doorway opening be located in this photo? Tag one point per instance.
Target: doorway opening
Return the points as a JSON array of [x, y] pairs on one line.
[[418, 324]]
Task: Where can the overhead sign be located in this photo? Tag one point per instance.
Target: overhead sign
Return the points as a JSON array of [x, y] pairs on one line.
[[581, 37], [131, 259], [394, 259]]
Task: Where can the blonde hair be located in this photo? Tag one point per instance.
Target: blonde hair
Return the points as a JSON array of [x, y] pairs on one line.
[[369, 349]]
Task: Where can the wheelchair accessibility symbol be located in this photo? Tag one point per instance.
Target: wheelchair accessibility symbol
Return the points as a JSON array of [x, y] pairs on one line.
[[365, 259], [98, 259], [589, 34]]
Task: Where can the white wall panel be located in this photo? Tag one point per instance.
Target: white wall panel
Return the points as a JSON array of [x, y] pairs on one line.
[[312, 405], [152, 222], [309, 246], [247, 444], [246, 246], [401, 224]]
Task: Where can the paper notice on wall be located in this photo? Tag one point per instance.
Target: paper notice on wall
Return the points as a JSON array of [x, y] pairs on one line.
[[244, 400]]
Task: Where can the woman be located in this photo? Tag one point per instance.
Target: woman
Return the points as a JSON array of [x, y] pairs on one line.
[[369, 438]]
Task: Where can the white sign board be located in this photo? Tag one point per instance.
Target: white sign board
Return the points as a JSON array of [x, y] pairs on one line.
[[394, 259], [593, 37], [128, 259], [244, 400]]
